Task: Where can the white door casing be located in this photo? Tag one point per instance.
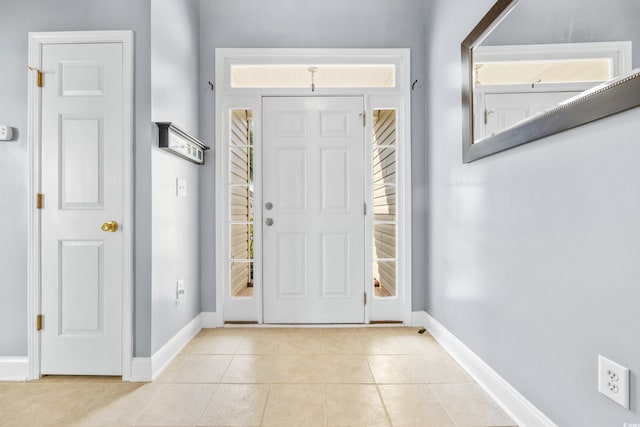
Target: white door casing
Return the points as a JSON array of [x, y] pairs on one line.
[[84, 173], [228, 98], [313, 179]]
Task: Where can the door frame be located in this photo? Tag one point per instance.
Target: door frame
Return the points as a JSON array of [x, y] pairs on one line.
[[227, 97], [37, 40]]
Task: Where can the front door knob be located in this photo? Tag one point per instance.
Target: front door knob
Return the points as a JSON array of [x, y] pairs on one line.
[[110, 227], [269, 222]]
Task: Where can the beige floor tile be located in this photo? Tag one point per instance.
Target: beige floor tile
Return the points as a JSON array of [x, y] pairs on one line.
[[301, 344], [348, 362], [218, 344], [414, 405], [265, 331], [250, 369], [342, 344], [192, 345], [228, 331], [201, 369], [404, 330], [469, 406], [236, 405], [441, 369], [345, 369], [299, 369], [120, 406], [397, 369], [47, 404], [420, 344], [176, 405], [259, 344], [171, 369], [354, 405], [79, 379], [298, 405], [381, 344]]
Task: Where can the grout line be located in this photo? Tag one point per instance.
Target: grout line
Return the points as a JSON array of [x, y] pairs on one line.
[[446, 410], [266, 402], [384, 405], [326, 412]]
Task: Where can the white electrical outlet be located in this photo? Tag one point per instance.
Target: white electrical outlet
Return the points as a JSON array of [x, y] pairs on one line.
[[181, 294], [6, 133], [613, 381], [181, 187]]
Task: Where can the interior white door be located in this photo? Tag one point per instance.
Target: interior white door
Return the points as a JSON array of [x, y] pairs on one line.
[[313, 194], [82, 156]]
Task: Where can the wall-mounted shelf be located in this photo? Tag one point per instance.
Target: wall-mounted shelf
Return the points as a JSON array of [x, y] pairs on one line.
[[180, 143]]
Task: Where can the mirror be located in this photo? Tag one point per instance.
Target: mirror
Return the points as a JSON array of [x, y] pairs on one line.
[[532, 68]]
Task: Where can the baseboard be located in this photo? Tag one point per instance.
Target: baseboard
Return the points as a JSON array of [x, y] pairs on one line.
[[145, 369], [140, 370], [523, 412], [211, 319], [161, 358], [14, 368], [418, 318]]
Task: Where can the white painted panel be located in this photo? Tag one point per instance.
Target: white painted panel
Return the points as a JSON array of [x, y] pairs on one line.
[[292, 264], [334, 123], [335, 180], [82, 266], [336, 263], [81, 290], [81, 78], [291, 123], [292, 180], [318, 278], [82, 158]]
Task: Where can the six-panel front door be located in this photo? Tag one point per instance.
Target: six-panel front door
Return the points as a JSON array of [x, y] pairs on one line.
[[313, 195], [82, 181]]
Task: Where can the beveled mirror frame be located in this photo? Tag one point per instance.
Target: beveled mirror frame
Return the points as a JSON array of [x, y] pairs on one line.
[[609, 98]]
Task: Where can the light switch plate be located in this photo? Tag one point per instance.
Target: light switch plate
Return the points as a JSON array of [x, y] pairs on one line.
[[6, 133], [181, 187]]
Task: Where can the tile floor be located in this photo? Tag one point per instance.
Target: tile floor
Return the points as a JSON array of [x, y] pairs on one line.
[[272, 377]]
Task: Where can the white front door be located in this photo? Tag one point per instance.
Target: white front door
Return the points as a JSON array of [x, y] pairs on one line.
[[83, 136], [313, 210]]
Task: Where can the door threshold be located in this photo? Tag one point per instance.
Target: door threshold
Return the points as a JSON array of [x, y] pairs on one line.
[[372, 324]]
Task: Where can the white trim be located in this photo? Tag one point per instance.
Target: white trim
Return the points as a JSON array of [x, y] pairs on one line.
[[140, 370], [36, 43], [211, 319], [161, 358], [618, 52], [145, 369], [418, 318], [227, 97], [14, 368], [523, 412]]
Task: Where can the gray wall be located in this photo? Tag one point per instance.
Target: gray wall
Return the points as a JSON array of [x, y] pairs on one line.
[[175, 220], [552, 21], [534, 251], [306, 24], [17, 17]]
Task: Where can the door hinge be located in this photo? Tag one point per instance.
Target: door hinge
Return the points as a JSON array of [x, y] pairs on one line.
[[39, 320], [39, 201], [365, 298], [365, 209], [364, 118]]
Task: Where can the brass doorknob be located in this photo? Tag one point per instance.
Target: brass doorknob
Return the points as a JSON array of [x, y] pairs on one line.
[[110, 227]]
